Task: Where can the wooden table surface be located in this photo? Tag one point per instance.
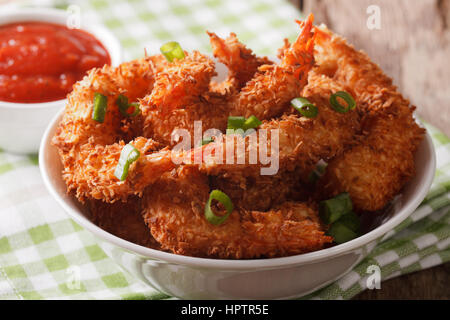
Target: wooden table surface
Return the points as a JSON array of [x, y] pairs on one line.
[[412, 46]]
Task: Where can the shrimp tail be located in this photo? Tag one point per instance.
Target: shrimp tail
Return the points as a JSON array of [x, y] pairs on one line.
[[301, 52]]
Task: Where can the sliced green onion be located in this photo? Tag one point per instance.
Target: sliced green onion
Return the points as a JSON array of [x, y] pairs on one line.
[[235, 123], [351, 221], [172, 50], [317, 172], [351, 104], [341, 233], [240, 123], [251, 123], [122, 101], [100, 104], [124, 106], [333, 209], [207, 141], [128, 155], [337, 212], [224, 200], [305, 107], [136, 107]]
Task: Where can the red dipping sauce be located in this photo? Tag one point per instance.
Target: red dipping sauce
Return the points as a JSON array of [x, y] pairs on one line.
[[40, 61]]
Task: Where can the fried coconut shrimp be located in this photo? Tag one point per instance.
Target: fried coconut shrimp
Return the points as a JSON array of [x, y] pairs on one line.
[[90, 150], [264, 192], [174, 212], [180, 97], [242, 64], [180, 83], [375, 170], [302, 141]]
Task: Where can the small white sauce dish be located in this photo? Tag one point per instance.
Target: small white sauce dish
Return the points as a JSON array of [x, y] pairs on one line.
[[23, 124]]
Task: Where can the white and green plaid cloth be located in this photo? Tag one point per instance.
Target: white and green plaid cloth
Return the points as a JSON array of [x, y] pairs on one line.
[[41, 249]]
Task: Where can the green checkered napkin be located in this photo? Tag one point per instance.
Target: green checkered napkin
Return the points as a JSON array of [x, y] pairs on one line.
[[42, 251]]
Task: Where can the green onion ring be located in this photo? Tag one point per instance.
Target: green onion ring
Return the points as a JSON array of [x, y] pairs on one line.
[[305, 107], [223, 199], [100, 105], [122, 103], [128, 155], [136, 111], [351, 103], [172, 50]]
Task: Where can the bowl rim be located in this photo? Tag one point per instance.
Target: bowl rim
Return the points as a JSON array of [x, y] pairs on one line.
[[224, 264], [56, 16]]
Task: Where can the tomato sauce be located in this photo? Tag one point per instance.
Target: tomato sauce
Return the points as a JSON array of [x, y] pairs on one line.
[[41, 61]]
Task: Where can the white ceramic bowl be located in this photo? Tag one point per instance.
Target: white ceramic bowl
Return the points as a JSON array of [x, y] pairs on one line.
[[199, 278], [23, 124]]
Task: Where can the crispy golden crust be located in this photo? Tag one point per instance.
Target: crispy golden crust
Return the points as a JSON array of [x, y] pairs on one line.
[[210, 108], [136, 78], [375, 170], [353, 69], [180, 97], [174, 212], [262, 193], [181, 82]]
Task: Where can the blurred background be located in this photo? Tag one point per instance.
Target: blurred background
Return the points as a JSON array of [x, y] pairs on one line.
[[412, 45]]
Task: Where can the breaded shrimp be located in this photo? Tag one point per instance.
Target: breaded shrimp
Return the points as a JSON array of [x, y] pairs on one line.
[[174, 212], [181, 97], [302, 141], [210, 108], [375, 170], [180, 83], [263, 192], [125, 76], [268, 94], [242, 64], [90, 150], [160, 125]]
